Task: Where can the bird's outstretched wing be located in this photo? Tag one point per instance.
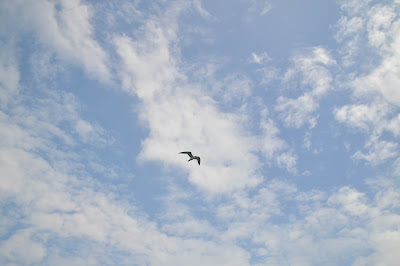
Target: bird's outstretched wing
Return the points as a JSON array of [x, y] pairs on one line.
[[198, 160], [188, 153]]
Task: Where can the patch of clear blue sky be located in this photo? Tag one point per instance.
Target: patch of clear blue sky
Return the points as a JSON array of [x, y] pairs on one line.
[[288, 26]]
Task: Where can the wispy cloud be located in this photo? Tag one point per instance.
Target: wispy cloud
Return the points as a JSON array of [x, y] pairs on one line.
[[312, 69], [260, 58], [378, 110], [64, 28], [9, 74], [261, 7], [275, 148]]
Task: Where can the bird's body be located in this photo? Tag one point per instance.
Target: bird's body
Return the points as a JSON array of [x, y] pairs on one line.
[[191, 156]]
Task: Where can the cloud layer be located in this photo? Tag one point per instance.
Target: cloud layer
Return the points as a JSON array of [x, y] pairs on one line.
[[65, 200]]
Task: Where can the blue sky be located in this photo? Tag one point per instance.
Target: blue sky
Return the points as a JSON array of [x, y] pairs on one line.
[[293, 107]]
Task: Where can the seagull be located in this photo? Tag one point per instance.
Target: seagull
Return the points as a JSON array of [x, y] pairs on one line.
[[191, 156]]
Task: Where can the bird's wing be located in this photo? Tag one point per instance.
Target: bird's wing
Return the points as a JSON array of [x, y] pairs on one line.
[[198, 160], [188, 153]]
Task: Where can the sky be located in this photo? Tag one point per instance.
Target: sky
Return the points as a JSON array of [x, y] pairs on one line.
[[293, 107]]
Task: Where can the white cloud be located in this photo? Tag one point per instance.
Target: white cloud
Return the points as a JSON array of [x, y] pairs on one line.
[[318, 227], [332, 231], [57, 211], [351, 32], [312, 70], [58, 206], [288, 160], [351, 200], [378, 151], [383, 80], [376, 111], [373, 119], [297, 112], [21, 249], [380, 21], [181, 118], [62, 27], [348, 27], [272, 143], [383, 31], [365, 117], [274, 148]]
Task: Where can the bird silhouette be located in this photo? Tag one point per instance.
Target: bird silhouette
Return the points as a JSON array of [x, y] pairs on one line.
[[191, 156]]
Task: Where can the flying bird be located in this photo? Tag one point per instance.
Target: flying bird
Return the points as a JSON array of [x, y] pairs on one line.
[[191, 156]]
